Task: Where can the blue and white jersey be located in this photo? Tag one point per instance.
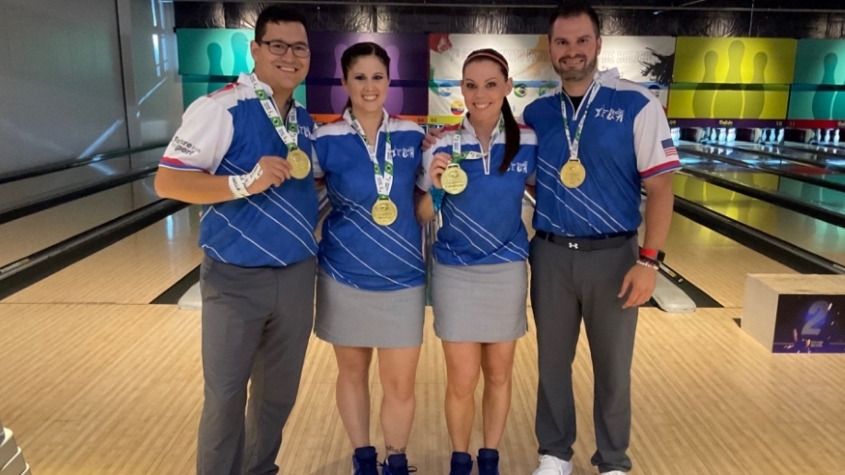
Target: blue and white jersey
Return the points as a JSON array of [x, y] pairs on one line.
[[226, 133], [625, 140], [354, 250], [483, 224]]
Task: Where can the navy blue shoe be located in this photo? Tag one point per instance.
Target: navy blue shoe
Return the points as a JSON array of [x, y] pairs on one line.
[[396, 464], [461, 464], [365, 461], [488, 462]]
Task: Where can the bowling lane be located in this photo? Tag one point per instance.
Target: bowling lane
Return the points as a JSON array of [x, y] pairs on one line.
[[813, 172], [816, 236], [135, 270], [831, 149], [830, 199], [770, 154], [714, 263], [829, 160], [42, 187], [36, 232]]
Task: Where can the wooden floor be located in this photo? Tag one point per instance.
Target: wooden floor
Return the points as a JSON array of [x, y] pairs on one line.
[[716, 264], [116, 389], [93, 380]]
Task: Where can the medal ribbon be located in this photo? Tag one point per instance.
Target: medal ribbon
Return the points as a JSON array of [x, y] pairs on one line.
[[573, 145], [289, 136], [384, 182], [457, 156]]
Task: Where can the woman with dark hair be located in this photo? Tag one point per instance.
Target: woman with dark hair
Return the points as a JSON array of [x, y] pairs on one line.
[[370, 282], [475, 176]]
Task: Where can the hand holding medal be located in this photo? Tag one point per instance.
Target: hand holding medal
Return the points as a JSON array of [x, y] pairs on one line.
[[438, 167], [300, 163], [455, 179]]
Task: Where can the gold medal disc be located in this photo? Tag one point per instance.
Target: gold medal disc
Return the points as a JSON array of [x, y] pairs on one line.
[[300, 163], [573, 173], [385, 212], [454, 179]]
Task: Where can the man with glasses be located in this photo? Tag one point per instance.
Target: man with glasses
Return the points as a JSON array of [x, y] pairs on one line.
[[243, 153]]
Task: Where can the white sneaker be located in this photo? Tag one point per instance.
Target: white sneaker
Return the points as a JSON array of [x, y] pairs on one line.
[[550, 465], [614, 472]]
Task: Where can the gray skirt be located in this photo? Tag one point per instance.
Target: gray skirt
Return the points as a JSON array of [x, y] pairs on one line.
[[480, 304], [348, 316]]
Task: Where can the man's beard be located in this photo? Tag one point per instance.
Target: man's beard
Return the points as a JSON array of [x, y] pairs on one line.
[[576, 74]]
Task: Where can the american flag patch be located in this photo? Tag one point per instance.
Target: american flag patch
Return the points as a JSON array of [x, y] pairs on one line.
[[669, 148]]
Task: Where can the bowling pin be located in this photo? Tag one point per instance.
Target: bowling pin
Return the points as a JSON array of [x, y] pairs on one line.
[[337, 95], [780, 136], [723, 136], [728, 103], [827, 137], [836, 137], [731, 136], [823, 99], [215, 65], [838, 112], [818, 137], [714, 134], [240, 50], [702, 99], [396, 97], [755, 96]]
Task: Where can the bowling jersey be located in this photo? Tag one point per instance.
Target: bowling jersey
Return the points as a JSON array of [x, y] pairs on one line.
[[625, 139], [483, 223], [226, 133], [354, 250]]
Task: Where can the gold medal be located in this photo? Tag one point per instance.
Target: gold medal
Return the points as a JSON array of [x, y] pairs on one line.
[[454, 179], [573, 173], [299, 162], [385, 212]]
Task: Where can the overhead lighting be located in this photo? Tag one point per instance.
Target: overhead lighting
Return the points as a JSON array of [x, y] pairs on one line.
[[693, 2]]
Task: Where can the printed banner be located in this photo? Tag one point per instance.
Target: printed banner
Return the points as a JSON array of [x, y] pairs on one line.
[[728, 101], [820, 62], [407, 96], [527, 55], [446, 105], [641, 59], [809, 324], [809, 102], [645, 60], [528, 59], [735, 60], [211, 58]]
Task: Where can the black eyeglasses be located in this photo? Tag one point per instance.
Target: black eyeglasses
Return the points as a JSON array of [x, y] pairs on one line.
[[279, 48]]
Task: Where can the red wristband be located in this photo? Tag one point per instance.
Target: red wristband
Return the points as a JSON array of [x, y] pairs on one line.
[[650, 253]]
